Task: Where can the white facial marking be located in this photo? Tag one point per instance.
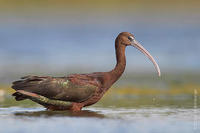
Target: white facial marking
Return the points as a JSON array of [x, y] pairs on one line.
[[131, 37]]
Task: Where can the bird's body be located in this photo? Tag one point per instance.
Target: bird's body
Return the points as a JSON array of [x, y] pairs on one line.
[[76, 90]]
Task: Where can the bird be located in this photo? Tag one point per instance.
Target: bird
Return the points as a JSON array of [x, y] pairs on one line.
[[75, 91]]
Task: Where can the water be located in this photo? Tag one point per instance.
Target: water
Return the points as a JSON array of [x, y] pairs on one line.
[[117, 112], [100, 120]]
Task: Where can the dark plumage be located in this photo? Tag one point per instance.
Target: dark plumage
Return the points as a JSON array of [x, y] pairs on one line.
[[77, 90]]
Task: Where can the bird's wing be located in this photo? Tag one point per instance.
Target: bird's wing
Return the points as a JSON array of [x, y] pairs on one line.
[[74, 88]]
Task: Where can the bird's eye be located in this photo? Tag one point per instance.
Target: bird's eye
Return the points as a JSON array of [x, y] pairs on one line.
[[130, 38]]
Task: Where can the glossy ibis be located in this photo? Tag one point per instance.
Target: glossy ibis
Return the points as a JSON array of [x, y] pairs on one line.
[[77, 90]]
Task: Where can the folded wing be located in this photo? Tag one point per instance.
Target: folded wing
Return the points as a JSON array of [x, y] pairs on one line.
[[74, 88]]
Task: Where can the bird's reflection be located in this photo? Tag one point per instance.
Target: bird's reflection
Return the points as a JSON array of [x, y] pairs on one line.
[[46, 113]]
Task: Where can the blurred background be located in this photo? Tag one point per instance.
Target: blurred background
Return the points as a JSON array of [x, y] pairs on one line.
[[60, 37], [56, 38]]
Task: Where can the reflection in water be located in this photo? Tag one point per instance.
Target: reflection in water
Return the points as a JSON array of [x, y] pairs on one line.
[[98, 120], [46, 113]]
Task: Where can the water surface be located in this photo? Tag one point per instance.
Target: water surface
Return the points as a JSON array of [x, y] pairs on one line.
[[95, 119]]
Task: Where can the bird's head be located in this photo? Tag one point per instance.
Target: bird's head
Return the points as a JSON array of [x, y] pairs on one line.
[[128, 39]]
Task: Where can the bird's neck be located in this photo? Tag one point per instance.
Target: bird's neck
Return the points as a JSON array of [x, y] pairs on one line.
[[121, 61]]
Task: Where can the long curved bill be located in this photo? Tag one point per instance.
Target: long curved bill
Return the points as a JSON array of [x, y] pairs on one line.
[[145, 52]]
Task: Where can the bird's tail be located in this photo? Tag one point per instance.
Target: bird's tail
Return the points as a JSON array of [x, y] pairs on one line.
[[28, 84]]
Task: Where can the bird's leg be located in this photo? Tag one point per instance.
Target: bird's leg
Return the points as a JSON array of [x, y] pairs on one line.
[[76, 107], [48, 103]]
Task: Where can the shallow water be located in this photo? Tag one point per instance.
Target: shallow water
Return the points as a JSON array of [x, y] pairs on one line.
[[119, 111], [98, 120]]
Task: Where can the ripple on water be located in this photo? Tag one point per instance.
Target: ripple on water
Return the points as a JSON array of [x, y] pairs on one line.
[[98, 120]]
